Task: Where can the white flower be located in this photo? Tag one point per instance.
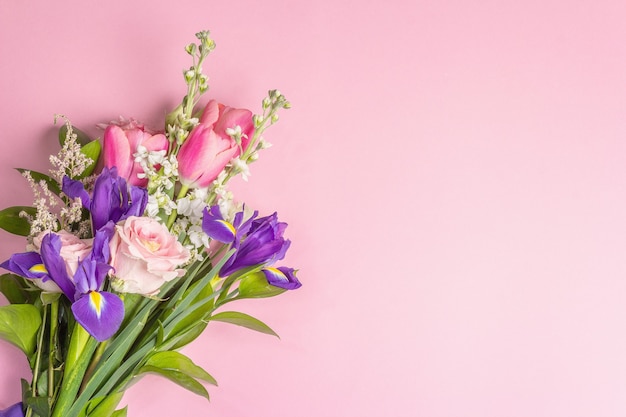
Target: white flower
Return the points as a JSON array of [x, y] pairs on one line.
[[241, 167]]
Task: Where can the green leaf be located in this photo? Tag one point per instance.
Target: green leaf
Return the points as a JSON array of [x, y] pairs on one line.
[[92, 151], [176, 361], [39, 405], [11, 221], [203, 305], [186, 337], [255, 285], [104, 406], [244, 320], [179, 378], [12, 288], [120, 413], [81, 136], [42, 383], [38, 176], [49, 297], [19, 324]]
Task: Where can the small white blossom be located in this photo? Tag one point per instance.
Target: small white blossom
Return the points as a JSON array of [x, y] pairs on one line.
[[241, 167], [263, 144], [152, 207], [234, 132]]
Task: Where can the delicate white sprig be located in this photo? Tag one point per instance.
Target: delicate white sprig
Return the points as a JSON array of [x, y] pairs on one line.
[[44, 219], [70, 160]]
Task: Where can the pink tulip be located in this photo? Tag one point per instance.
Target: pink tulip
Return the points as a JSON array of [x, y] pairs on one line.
[[208, 149], [121, 143]]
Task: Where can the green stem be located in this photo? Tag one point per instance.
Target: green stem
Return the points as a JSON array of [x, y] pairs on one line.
[[94, 362], [79, 354], [39, 351], [183, 191], [54, 319]]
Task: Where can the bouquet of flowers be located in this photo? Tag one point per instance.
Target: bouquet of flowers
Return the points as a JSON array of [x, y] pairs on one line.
[[133, 244]]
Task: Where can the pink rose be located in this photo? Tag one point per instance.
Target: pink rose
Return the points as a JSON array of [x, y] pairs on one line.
[[120, 143], [145, 255], [208, 149], [73, 249]]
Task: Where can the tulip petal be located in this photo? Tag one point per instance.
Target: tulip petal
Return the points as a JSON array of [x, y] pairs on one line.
[[116, 150], [211, 113], [236, 117], [203, 156], [156, 142], [100, 313]]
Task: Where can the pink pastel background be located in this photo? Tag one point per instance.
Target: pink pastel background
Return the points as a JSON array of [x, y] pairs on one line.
[[453, 173]]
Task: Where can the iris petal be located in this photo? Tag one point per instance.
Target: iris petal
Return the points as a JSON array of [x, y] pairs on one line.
[[74, 188], [25, 265], [282, 277], [14, 411], [51, 255], [100, 313], [114, 200]]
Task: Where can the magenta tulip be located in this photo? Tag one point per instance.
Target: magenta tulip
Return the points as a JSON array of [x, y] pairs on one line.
[[120, 145], [208, 149]]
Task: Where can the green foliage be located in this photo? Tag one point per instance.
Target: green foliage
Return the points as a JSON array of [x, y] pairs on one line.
[[120, 413], [244, 320], [49, 297], [91, 150], [177, 361], [102, 406], [19, 324], [39, 405], [179, 369], [14, 289], [81, 136], [183, 338], [38, 177], [255, 285], [11, 221]]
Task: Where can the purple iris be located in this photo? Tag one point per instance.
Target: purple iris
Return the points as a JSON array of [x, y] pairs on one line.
[[282, 277], [27, 265], [99, 312], [217, 228], [257, 241], [14, 411], [112, 198], [263, 244]]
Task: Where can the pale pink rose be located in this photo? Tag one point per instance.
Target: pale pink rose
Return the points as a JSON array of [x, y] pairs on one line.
[[145, 255], [73, 250]]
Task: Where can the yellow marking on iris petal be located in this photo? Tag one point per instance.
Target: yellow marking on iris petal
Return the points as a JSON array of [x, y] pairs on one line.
[[279, 274], [96, 301], [38, 269], [228, 226]]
